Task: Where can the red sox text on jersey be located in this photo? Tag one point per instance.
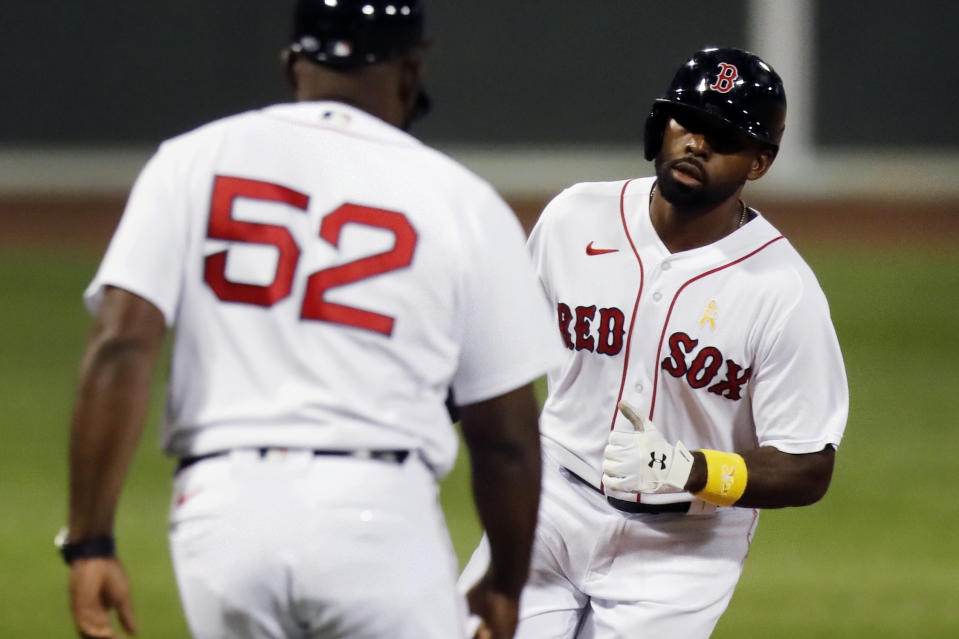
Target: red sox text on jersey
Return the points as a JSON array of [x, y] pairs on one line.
[[699, 366]]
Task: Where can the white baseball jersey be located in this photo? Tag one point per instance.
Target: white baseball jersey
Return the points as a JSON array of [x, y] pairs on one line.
[[726, 347], [315, 304]]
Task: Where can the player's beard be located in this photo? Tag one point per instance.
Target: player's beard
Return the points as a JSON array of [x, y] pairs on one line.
[[702, 197]]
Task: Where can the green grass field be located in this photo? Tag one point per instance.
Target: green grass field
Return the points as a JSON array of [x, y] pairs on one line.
[[876, 558]]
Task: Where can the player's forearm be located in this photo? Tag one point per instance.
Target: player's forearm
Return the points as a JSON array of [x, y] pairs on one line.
[[775, 479], [111, 402]]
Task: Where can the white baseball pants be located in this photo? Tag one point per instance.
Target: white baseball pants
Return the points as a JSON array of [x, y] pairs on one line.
[[292, 545], [598, 573]]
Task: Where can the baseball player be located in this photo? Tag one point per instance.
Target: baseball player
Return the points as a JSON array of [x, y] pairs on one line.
[[703, 379], [329, 278]]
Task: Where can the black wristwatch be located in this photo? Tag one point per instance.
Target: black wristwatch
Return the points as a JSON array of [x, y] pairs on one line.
[[104, 546]]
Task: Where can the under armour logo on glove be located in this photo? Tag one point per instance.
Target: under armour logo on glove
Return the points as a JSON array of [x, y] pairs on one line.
[[661, 462], [640, 460]]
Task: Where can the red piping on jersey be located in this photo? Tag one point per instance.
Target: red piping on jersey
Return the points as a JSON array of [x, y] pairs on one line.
[[639, 293], [669, 314]]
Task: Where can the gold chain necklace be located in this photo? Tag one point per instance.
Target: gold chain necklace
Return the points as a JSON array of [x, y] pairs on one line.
[[742, 206]]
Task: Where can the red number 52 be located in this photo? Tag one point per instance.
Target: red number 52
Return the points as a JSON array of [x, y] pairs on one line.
[[222, 226]]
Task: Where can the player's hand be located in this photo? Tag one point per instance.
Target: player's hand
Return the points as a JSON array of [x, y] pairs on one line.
[[98, 586], [498, 612], [642, 461]]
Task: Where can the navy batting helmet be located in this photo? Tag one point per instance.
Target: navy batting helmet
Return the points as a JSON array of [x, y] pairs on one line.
[[344, 34], [730, 84]]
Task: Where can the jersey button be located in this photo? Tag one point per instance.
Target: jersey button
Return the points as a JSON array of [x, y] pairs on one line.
[[639, 388], [657, 296], [666, 266]]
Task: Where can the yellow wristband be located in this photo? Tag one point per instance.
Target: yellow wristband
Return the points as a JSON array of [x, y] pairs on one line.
[[725, 478]]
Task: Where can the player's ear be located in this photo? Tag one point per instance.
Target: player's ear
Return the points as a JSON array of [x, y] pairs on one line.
[[411, 70], [410, 85], [287, 60], [761, 163]]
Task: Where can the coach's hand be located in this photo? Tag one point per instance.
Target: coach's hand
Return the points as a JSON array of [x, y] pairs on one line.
[[642, 461], [499, 612], [98, 586]]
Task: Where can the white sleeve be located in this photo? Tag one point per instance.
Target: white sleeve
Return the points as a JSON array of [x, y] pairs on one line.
[[801, 396], [538, 245], [509, 338], [147, 252]]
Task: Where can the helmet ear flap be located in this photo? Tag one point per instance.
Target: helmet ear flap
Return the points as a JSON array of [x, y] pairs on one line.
[[653, 134]]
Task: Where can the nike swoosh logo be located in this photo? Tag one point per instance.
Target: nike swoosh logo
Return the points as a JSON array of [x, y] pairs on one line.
[[595, 251]]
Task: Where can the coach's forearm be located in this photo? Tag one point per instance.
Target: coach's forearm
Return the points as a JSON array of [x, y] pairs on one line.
[[112, 396], [503, 439], [506, 486]]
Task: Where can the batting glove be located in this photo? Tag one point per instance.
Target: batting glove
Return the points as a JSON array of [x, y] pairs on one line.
[[642, 461]]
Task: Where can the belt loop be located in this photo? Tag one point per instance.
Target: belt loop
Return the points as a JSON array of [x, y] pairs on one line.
[[700, 507]]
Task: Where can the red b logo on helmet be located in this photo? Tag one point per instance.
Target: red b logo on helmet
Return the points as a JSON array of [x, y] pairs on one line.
[[726, 78]]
